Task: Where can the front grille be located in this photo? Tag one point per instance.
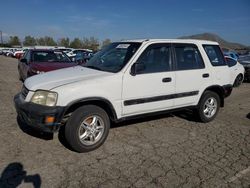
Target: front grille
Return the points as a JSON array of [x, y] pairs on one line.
[[24, 92]]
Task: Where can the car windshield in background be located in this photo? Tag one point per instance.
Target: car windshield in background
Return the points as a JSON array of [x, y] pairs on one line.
[[114, 57], [50, 56]]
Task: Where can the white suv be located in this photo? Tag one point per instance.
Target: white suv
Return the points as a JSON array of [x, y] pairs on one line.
[[125, 80]]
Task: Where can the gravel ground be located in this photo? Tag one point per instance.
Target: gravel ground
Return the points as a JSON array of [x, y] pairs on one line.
[[171, 150]]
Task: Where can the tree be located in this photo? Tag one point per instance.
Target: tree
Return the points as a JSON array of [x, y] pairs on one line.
[[41, 41], [49, 41], [64, 42], [90, 43], [29, 41], [14, 40], [76, 43], [106, 42], [46, 41]]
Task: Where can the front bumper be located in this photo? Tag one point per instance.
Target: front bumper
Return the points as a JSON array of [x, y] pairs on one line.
[[34, 115]]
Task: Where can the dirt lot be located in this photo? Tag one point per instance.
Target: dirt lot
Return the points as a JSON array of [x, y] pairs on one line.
[[164, 151]]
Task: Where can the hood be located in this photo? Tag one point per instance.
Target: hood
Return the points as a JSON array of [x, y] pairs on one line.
[[53, 79], [45, 67]]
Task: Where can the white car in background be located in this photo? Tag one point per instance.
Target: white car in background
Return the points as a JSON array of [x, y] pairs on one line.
[[75, 51], [237, 71]]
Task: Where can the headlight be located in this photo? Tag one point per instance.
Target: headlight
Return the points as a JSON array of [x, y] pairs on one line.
[[46, 98]]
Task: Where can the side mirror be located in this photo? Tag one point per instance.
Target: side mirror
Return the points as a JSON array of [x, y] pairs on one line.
[[136, 68], [23, 60]]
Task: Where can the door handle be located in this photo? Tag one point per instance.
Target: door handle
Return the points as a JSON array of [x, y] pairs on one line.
[[167, 79], [206, 75]]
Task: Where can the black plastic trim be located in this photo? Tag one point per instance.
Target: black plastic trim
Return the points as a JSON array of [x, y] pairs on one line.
[[96, 99], [159, 98]]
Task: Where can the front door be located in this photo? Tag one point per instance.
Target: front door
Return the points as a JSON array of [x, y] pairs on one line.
[[153, 85]]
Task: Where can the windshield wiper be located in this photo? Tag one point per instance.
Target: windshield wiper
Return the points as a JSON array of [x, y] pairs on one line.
[[92, 67]]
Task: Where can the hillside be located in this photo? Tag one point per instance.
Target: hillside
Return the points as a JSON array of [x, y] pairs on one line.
[[214, 37]]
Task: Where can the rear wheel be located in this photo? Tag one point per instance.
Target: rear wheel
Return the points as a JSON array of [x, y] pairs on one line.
[[87, 128], [208, 106], [238, 80]]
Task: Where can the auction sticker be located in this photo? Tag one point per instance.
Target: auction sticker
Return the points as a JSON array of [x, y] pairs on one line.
[[125, 46]]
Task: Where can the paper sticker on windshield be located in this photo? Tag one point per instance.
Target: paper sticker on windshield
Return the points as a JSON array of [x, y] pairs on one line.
[[125, 46]]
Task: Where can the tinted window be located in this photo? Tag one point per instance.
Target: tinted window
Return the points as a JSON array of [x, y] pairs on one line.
[[215, 55], [156, 58], [50, 56], [231, 62], [188, 57]]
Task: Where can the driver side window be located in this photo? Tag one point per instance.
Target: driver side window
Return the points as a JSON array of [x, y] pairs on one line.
[[156, 58]]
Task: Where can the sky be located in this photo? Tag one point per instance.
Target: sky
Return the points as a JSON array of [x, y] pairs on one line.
[[126, 19]]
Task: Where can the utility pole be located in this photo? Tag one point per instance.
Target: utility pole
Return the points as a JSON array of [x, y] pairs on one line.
[[1, 35]]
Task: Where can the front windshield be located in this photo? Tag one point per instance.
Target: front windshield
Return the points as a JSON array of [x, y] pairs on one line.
[[114, 57], [50, 56]]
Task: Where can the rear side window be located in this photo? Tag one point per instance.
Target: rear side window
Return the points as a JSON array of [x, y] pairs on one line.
[[188, 57], [215, 55]]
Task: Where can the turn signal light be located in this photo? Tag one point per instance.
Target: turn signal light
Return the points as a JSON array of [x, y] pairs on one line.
[[49, 119]]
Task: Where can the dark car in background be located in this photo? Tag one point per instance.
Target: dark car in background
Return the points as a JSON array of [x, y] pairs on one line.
[[245, 61], [37, 61]]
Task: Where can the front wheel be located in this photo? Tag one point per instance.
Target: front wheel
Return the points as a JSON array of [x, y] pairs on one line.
[[87, 128], [208, 106]]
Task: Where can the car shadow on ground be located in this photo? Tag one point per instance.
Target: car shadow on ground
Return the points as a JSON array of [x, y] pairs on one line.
[[32, 132], [248, 116], [14, 175], [183, 114]]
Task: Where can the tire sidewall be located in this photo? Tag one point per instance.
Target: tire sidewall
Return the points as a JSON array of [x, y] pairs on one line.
[[74, 122], [204, 98]]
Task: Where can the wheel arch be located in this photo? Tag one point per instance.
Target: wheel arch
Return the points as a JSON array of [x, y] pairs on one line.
[[98, 101], [219, 90]]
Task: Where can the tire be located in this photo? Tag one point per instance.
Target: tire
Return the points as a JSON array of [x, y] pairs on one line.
[[238, 80], [89, 122], [208, 113]]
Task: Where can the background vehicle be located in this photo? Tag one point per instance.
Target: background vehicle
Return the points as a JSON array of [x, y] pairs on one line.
[[245, 61], [19, 53], [74, 52], [237, 71], [231, 54], [36, 61]]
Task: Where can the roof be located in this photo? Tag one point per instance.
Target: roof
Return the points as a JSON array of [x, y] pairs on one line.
[[173, 41]]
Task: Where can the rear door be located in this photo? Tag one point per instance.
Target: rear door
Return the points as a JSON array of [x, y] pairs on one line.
[[220, 69], [191, 75], [153, 87]]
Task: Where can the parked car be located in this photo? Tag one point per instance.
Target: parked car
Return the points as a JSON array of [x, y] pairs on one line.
[[245, 61], [126, 80], [73, 53], [232, 54], [37, 61], [237, 71], [82, 57], [19, 53]]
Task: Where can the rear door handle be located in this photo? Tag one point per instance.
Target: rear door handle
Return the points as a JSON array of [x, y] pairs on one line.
[[167, 79], [206, 75]]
